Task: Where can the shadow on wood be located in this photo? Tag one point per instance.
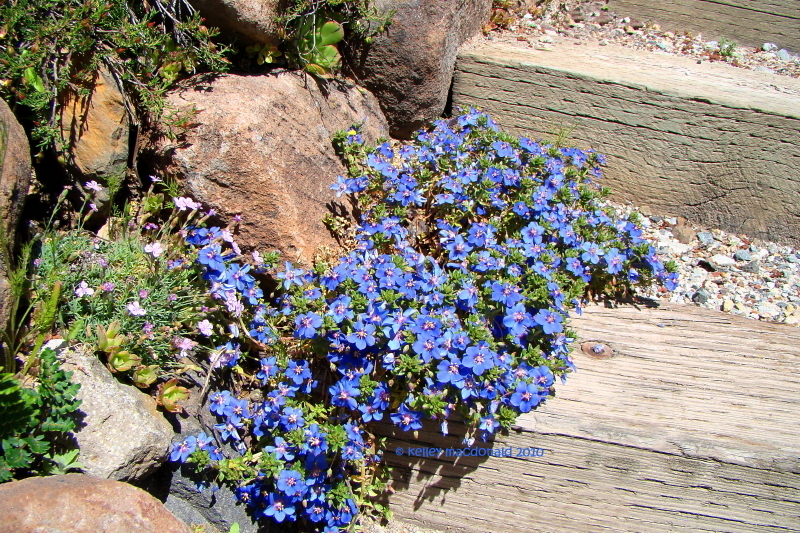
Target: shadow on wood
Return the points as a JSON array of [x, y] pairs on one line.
[[691, 425]]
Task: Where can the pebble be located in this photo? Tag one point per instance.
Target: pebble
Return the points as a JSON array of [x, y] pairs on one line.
[[705, 237], [727, 306], [793, 258], [769, 47], [722, 260], [784, 55], [743, 255]]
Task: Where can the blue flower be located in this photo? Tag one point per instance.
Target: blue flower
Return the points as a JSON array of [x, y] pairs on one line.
[[344, 394], [291, 483], [550, 322], [182, 450], [362, 335], [280, 508], [291, 276], [526, 397], [307, 325], [406, 419]]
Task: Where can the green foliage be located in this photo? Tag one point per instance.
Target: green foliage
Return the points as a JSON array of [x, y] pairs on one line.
[[727, 49], [34, 421], [313, 29], [49, 46]]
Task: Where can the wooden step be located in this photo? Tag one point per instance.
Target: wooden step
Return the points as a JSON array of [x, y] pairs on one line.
[[692, 426], [716, 144]]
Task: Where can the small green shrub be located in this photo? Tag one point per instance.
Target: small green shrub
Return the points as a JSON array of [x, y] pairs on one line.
[[34, 421], [49, 46]]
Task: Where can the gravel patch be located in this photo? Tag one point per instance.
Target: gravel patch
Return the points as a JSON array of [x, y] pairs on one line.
[[581, 22], [725, 272]]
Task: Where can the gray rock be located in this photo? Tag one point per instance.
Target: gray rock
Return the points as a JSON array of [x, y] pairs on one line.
[[752, 267], [769, 47], [123, 436], [742, 255], [762, 68], [784, 55], [410, 67], [705, 237], [701, 296], [792, 258]]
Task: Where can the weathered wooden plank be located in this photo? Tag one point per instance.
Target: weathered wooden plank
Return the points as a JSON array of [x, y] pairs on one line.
[[749, 22], [715, 144], [692, 426]]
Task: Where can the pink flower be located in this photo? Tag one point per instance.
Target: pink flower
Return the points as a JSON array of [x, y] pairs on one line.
[[184, 344], [205, 327], [93, 207], [107, 286], [257, 258], [135, 309], [143, 293], [93, 186], [83, 290], [172, 297], [155, 248], [156, 179], [184, 203]]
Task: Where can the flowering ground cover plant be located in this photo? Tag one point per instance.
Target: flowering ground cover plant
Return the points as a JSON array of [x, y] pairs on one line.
[[470, 249]]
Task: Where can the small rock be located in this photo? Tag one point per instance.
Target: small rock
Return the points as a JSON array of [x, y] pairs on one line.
[[784, 55], [705, 237], [546, 39], [727, 306], [701, 296], [742, 255], [762, 68], [664, 46], [769, 310], [722, 260], [676, 248], [672, 221], [792, 320], [683, 233], [656, 219], [793, 258], [603, 43], [769, 47], [712, 45], [752, 267]]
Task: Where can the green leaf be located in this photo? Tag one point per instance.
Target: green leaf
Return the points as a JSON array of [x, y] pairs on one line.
[[330, 33], [33, 79]]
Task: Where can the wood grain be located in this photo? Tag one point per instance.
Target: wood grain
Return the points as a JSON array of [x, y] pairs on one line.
[[691, 426], [748, 22], [713, 143]]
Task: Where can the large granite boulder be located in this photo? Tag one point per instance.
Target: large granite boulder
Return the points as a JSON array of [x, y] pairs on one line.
[[409, 67], [77, 503], [122, 436], [15, 177], [250, 20], [262, 149], [96, 129]]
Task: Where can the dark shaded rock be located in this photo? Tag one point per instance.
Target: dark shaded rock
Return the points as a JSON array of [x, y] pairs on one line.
[[77, 503], [262, 149], [701, 296], [15, 177], [409, 68]]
